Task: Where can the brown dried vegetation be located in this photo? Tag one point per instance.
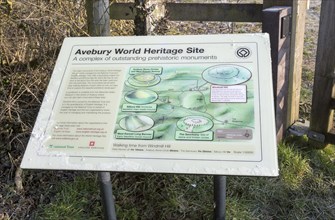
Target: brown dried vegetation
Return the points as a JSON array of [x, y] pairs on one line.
[[31, 33]]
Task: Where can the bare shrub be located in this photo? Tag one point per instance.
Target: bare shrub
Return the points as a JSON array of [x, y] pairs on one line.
[[31, 33]]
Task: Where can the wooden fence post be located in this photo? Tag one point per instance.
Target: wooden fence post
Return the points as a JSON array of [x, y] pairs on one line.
[[297, 44], [276, 22], [98, 18], [299, 9], [140, 20], [323, 91]]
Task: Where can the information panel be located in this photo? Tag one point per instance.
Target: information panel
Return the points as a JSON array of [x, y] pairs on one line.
[[168, 104]]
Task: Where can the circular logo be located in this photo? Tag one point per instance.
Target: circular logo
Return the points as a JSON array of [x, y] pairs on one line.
[[243, 52]]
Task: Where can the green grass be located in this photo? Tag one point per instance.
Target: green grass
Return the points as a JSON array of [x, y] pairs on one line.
[[305, 189], [79, 199]]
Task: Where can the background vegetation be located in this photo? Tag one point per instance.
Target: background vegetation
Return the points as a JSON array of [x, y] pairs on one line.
[[31, 33]]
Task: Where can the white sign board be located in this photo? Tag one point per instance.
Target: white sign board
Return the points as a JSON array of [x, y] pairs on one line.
[[165, 104]]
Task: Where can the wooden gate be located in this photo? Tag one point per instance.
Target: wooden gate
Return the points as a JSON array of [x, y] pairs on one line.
[[287, 49], [323, 103]]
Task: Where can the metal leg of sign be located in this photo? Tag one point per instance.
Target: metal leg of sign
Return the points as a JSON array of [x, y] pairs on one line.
[[220, 197], [107, 195]]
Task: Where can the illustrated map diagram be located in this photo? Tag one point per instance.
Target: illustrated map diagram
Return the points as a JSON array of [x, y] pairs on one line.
[[189, 102]]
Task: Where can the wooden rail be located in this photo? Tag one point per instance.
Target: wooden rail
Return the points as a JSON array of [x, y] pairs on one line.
[[196, 12], [214, 12], [122, 11]]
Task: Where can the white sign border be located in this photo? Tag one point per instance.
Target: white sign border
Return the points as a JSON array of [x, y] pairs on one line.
[[64, 162]]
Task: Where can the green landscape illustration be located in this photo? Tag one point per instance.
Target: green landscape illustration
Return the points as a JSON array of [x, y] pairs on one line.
[[182, 103]]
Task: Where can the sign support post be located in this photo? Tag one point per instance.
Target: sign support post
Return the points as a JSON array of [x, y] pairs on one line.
[[98, 25], [220, 197], [107, 195]]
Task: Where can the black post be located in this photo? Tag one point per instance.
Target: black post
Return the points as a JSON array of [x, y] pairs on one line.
[[107, 195], [98, 20], [220, 197]]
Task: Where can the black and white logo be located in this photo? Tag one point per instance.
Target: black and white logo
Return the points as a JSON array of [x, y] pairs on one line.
[[243, 52]]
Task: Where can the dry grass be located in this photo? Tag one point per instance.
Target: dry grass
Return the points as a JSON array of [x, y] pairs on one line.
[[31, 33]]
